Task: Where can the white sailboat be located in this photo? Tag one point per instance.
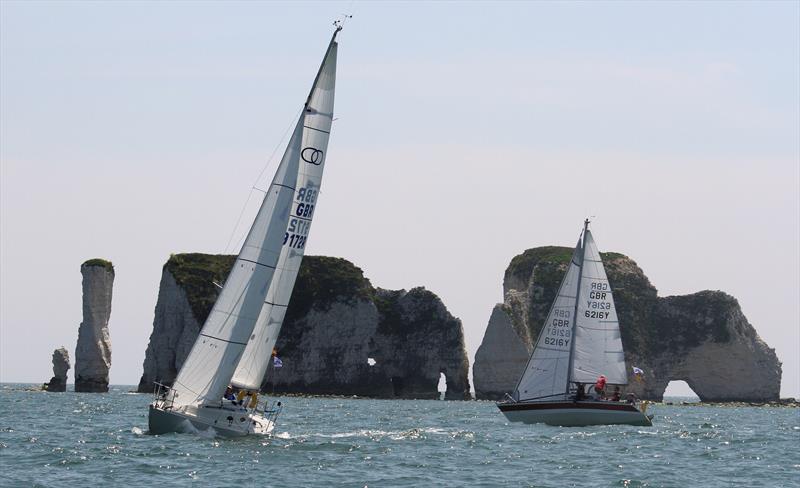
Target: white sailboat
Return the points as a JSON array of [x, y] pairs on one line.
[[579, 342], [236, 340]]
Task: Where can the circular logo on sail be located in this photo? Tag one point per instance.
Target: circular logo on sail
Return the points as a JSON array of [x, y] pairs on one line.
[[311, 155]]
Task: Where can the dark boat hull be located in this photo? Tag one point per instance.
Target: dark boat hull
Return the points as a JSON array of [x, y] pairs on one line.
[[575, 414]]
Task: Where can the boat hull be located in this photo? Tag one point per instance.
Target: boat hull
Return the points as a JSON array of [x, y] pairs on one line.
[[575, 414], [225, 422]]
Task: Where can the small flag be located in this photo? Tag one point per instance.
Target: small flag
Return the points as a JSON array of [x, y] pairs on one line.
[[638, 374], [276, 361]]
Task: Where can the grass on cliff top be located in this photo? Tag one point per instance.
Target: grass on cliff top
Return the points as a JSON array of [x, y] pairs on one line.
[[196, 274], [320, 282], [522, 264], [323, 280], [99, 262]]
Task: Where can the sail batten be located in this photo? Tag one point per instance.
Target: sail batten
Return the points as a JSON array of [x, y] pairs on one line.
[[317, 121], [212, 360], [546, 373], [580, 339], [598, 342]]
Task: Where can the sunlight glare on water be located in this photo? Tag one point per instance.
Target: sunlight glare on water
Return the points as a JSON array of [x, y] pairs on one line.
[[61, 439]]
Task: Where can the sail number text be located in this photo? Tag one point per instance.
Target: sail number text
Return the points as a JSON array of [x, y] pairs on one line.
[[300, 219], [558, 330], [597, 307]]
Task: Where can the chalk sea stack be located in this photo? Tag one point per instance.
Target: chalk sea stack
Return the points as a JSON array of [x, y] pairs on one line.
[[60, 367], [703, 339], [93, 352], [340, 336]]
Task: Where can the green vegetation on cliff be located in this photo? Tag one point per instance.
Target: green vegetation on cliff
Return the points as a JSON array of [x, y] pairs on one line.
[[394, 319], [321, 282], [196, 273], [523, 264], [99, 262], [647, 323], [707, 311], [324, 280]]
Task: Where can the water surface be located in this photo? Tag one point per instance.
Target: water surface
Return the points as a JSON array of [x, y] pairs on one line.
[[78, 439]]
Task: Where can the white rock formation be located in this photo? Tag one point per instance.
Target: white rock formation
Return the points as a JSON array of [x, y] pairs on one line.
[[93, 351], [702, 338], [60, 367], [174, 332], [335, 322]]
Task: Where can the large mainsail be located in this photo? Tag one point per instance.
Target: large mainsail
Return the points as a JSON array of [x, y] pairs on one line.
[[213, 358], [211, 363], [547, 371], [598, 344], [317, 119]]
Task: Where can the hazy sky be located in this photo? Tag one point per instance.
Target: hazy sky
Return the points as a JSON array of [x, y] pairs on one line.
[[467, 133]]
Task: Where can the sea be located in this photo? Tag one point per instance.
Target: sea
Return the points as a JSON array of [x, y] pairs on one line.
[[84, 439]]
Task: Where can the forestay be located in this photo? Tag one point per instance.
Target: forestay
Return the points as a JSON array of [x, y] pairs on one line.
[[208, 369], [546, 374], [317, 119], [598, 344]]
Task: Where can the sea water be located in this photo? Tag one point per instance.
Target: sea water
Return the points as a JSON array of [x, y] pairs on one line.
[[83, 439]]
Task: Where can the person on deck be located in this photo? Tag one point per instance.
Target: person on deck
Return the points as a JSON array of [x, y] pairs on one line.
[[617, 395], [229, 394], [579, 394], [600, 386]]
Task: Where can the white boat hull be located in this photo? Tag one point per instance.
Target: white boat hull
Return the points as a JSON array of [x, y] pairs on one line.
[[225, 421], [575, 414]]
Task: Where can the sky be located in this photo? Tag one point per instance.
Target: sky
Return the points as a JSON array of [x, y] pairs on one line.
[[466, 133]]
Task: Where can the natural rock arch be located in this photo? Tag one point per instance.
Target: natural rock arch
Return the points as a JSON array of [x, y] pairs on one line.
[[702, 338]]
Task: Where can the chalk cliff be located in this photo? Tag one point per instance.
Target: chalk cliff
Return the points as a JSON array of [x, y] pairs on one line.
[[337, 324], [702, 338], [60, 367], [93, 351]]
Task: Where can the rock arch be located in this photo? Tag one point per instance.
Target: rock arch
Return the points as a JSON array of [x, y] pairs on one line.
[[702, 338]]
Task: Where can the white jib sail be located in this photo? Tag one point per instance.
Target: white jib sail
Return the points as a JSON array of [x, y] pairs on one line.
[[598, 343], [318, 116], [208, 369], [546, 374]]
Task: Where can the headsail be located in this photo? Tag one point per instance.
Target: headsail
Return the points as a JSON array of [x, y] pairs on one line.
[[317, 118], [598, 343], [546, 374]]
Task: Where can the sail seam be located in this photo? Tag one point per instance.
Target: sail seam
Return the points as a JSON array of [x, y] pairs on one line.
[[314, 128], [256, 262], [224, 340], [285, 186]]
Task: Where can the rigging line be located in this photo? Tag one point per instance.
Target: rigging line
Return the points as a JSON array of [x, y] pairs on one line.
[[255, 183]]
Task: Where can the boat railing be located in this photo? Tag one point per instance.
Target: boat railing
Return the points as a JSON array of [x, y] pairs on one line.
[[163, 396], [271, 412]]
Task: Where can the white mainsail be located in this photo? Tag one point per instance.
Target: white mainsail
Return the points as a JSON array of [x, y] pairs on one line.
[[547, 371], [318, 116], [598, 344], [211, 363]]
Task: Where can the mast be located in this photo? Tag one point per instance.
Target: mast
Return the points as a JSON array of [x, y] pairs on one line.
[[575, 313], [322, 64]]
